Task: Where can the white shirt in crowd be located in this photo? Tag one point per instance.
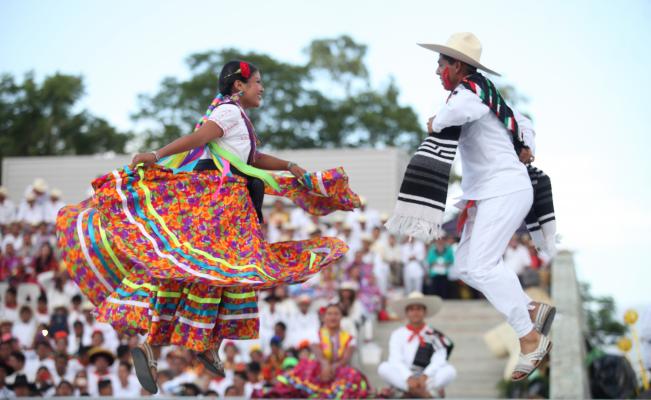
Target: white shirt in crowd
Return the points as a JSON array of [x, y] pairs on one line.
[[413, 249], [33, 214], [51, 209], [7, 212], [32, 364], [300, 325], [236, 136], [518, 258], [489, 163], [16, 241], [132, 389], [24, 331]]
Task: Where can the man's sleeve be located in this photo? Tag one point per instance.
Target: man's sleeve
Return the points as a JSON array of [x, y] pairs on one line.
[[528, 133], [463, 107]]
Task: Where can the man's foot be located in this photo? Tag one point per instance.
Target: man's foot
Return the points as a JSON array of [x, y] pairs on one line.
[[534, 347], [542, 315]]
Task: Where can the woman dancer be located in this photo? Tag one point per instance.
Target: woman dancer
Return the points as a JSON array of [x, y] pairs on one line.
[[177, 253]]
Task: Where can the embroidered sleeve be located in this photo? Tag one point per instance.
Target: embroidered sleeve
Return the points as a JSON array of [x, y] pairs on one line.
[[462, 107], [226, 116]]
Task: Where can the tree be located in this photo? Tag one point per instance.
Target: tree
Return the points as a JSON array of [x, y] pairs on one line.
[[41, 119], [326, 102], [603, 328]]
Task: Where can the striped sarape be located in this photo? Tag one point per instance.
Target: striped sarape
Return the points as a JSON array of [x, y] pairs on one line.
[[180, 255], [421, 202]]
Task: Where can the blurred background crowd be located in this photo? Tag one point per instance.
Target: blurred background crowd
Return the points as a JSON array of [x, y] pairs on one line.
[[51, 344]]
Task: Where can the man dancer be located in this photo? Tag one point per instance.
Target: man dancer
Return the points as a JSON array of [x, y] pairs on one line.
[[494, 142]]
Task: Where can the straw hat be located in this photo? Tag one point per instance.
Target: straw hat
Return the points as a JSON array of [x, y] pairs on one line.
[[3, 191], [96, 352], [56, 193], [432, 304], [463, 46]]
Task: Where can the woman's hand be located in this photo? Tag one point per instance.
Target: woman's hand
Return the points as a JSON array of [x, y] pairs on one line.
[[144, 158], [298, 172], [327, 372]]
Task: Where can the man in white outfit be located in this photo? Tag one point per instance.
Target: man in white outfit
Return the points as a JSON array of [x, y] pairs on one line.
[[418, 354], [494, 142], [413, 258]]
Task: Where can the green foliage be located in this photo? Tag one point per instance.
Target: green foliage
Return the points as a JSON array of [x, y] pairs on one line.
[[603, 328], [42, 119], [327, 102]]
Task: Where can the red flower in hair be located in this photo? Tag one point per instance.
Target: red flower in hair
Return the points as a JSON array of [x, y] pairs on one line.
[[246, 71]]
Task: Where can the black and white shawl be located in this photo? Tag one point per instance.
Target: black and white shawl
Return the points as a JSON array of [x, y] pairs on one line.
[[423, 193]]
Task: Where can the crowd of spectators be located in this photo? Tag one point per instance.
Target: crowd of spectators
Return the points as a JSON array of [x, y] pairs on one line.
[[51, 344]]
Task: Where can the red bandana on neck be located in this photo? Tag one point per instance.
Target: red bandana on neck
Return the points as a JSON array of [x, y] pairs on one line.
[[415, 333]]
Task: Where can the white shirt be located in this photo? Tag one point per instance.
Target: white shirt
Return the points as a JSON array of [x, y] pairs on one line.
[[7, 212], [51, 210], [489, 164], [236, 136], [131, 390], [30, 214], [517, 258], [24, 332], [16, 242], [300, 327], [416, 249], [402, 351]]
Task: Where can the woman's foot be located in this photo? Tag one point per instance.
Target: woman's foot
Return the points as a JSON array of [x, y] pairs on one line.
[[146, 366], [210, 360]]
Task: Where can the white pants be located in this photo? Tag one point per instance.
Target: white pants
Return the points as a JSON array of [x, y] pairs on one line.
[[489, 227], [397, 375]]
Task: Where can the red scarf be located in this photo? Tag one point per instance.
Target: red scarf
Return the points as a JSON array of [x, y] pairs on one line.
[[415, 333]]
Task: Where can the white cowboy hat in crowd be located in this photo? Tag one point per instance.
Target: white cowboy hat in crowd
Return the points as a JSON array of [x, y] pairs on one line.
[[463, 46], [3, 191], [39, 185], [349, 285], [56, 193], [432, 304]]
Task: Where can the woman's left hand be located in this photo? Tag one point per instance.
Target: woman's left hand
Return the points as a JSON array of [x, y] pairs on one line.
[[298, 172]]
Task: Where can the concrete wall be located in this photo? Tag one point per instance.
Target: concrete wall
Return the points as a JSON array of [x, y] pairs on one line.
[[374, 174], [569, 378]]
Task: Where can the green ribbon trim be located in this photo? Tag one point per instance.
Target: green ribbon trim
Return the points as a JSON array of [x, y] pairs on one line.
[[243, 167]]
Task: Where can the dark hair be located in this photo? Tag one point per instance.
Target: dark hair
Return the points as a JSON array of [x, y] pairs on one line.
[[18, 355], [468, 68], [126, 365], [254, 367], [281, 324], [230, 73], [104, 383]]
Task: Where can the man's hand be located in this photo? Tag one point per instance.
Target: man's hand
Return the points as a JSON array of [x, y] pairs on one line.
[[526, 155], [415, 383]]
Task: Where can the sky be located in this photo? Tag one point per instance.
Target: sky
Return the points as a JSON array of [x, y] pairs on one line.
[[583, 65]]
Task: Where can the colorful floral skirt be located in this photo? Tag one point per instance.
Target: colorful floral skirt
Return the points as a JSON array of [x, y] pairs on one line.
[[179, 256], [303, 381]]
